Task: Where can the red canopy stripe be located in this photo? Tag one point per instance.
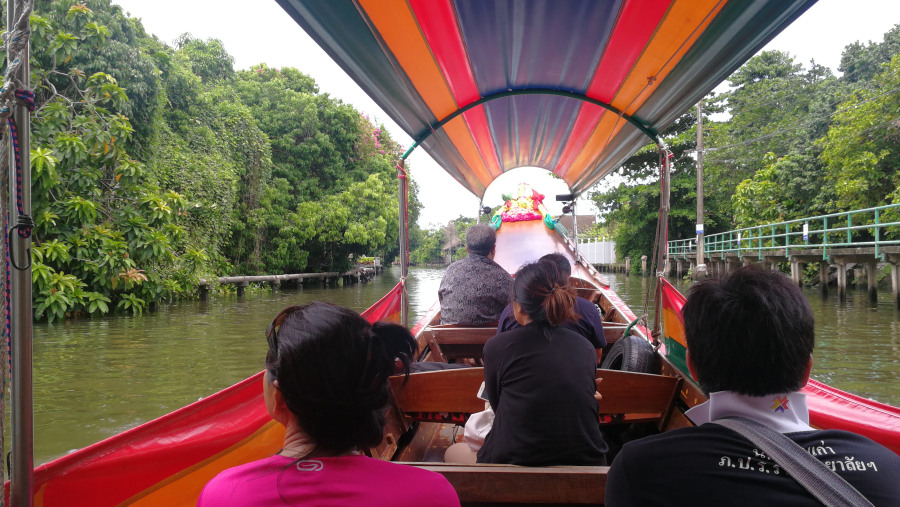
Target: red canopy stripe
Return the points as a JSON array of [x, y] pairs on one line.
[[438, 21], [682, 24], [634, 28], [481, 132], [638, 20], [439, 24], [588, 117]]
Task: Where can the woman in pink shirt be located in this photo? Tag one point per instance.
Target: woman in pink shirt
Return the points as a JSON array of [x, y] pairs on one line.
[[326, 381]]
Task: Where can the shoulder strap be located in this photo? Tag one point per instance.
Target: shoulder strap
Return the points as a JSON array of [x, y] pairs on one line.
[[828, 487]]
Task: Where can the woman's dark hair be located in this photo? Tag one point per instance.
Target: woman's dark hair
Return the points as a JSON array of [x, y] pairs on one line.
[[565, 267], [332, 368], [543, 298], [751, 332]]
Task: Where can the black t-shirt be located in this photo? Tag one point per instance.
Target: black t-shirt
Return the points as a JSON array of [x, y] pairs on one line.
[[712, 465], [542, 393]]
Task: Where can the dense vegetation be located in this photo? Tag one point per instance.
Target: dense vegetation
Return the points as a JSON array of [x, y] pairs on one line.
[[154, 166], [795, 141]]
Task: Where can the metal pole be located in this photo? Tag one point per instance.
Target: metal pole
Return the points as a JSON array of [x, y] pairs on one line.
[[575, 228], [22, 466], [478, 215], [700, 270], [404, 243]]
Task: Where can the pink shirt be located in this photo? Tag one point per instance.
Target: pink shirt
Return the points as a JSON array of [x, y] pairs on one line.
[[345, 480]]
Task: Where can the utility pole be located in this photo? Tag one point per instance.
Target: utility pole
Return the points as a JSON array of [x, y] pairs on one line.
[[700, 269]]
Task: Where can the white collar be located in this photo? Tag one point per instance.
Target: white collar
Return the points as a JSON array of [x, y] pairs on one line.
[[784, 413]]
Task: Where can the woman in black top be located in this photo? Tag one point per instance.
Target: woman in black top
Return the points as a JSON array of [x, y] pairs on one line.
[[539, 380]]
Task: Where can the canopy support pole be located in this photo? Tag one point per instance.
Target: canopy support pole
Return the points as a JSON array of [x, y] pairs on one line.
[[575, 227], [661, 242], [404, 240], [18, 77]]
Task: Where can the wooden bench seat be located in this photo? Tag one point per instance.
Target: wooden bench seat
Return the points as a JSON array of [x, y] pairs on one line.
[[613, 331], [452, 342], [640, 396], [440, 391], [508, 484]]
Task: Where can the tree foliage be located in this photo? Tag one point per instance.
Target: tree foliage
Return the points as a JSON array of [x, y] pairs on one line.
[[861, 155], [154, 166]]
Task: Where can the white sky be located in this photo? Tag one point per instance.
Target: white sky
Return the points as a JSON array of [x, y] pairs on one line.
[[260, 31]]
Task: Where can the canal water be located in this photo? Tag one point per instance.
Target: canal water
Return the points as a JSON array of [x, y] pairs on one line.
[[96, 378]]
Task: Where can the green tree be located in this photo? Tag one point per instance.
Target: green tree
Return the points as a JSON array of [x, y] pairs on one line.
[[860, 63], [860, 149], [775, 106]]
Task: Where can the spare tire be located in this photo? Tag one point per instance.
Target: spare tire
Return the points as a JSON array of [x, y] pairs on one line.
[[631, 353]]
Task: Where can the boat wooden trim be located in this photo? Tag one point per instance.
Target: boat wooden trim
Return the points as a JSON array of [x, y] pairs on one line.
[[495, 485]]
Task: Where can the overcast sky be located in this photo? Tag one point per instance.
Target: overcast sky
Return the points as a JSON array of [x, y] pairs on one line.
[[260, 31]]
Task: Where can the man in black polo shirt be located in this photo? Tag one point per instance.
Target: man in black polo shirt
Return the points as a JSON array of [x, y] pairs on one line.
[[750, 342]]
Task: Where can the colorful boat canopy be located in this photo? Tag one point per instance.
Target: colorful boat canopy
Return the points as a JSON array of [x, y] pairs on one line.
[[572, 86]]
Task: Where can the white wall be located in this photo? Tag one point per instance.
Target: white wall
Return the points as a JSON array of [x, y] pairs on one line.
[[598, 252]]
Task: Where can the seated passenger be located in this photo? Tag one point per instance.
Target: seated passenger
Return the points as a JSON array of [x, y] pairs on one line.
[[588, 323], [475, 289], [326, 381], [540, 380], [750, 341]]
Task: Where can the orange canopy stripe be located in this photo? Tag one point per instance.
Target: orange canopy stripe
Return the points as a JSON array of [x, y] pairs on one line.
[[398, 26]]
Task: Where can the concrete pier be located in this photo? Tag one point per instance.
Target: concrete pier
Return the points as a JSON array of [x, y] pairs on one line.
[[823, 276], [846, 257], [861, 260], [894, 260]]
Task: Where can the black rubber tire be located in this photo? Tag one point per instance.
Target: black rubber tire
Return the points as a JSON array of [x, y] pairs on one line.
[[631, 353]]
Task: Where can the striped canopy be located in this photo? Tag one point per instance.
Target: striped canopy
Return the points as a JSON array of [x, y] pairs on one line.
[[572, 86]]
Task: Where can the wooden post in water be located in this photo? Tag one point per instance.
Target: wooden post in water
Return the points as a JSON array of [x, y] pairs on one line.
[[872, 279], [797, 272], [894, 259], [823, 277], [627, 266], [842, 281], [643, 265]]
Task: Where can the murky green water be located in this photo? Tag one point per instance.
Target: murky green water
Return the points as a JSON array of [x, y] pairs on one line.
[[96, 378]]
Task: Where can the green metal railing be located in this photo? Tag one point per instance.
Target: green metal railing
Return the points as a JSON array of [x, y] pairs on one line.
[[864, 228]]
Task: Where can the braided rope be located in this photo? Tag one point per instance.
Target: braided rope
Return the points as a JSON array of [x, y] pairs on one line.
[[24, 224]]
